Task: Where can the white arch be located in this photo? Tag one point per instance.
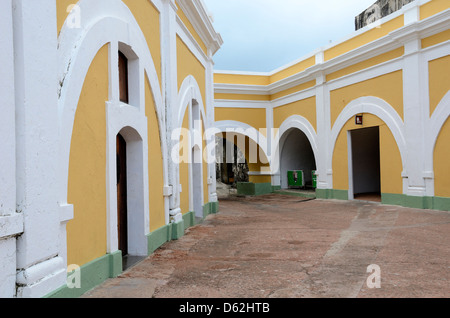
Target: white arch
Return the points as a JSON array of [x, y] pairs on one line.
[[103, 22], [294, 122], [189, 90], [188, 95], [434, 128], [374, 106], [238, 127], [436, 123]]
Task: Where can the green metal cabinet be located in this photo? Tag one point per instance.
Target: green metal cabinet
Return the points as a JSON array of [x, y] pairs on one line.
[[314, 179], [296, 178]]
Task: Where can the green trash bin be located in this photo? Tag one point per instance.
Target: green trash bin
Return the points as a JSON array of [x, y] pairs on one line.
[[296, 179], [314, 179]]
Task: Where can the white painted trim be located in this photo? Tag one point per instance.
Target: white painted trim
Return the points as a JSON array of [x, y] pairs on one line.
[[226, 103], [8, 108], [195, 11], [188, 93], [395, 39], [188, 39], [232, 126], [434, 126], [377, 107], [260, 173], [351, 193], [132, 123], [77, 48], [292, 122]]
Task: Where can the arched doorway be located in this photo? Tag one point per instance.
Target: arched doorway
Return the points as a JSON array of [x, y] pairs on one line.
[[364, 164], [131, 207], [297, 156]]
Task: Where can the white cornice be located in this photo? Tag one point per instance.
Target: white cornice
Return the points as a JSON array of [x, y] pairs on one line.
[[196, 13], [397, 38]]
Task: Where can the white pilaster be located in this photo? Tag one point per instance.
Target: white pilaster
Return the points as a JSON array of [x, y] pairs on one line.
[[170, 97], [40, 270], [209, 105], [324, 160], [415, 115]]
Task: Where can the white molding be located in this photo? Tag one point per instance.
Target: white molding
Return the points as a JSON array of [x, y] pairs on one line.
[[7, 118], [377, 107], [77, 48], [188, 39], [236, 127], [228, 103], [196, 13], [132, 124], [393, 40], [292, 122]]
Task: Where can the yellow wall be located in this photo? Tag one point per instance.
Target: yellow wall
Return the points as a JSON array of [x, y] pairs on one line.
[[388, 87], [390, 160], [61, 11], [439, 80], [367, 63], [255, 117], [219, 96], [191, 29], [364, 38], [293, 90], [189, 65], [86, 233], [292, 70], [241, 79], [436, 39], [205, 173], [305, 108], [147, 16], [433, 7], [441, 162], [155, 163]]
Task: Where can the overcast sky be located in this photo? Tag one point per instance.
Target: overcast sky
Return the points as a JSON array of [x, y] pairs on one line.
[[263, 35]]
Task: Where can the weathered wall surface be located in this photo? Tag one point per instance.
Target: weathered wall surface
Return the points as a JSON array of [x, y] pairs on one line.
[[379, 10]]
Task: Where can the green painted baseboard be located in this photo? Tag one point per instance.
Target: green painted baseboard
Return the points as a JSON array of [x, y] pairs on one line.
[[210, 208], [189, 220], [432, 203], [332, 194], [91, 275], [254, 189]]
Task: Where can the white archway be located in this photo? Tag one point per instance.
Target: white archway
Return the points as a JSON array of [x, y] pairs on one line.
[[106, 22], [435, 125], [190, 101], [375, 106], [292, 122]]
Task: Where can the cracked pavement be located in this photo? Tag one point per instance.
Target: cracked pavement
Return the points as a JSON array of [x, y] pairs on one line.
[[279, 246]]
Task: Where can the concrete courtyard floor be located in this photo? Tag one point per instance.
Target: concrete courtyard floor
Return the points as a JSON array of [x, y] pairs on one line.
[[284, 246]]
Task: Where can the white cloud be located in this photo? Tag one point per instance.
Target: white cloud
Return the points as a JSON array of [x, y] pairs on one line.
[[262, 35]]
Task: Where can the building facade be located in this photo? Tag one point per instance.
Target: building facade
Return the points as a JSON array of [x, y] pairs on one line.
[[104, 102], [96, 95], [368, 114]]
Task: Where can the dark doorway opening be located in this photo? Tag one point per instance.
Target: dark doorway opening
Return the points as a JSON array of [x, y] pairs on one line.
[[122, 213], [365, 145], [297, 155]]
